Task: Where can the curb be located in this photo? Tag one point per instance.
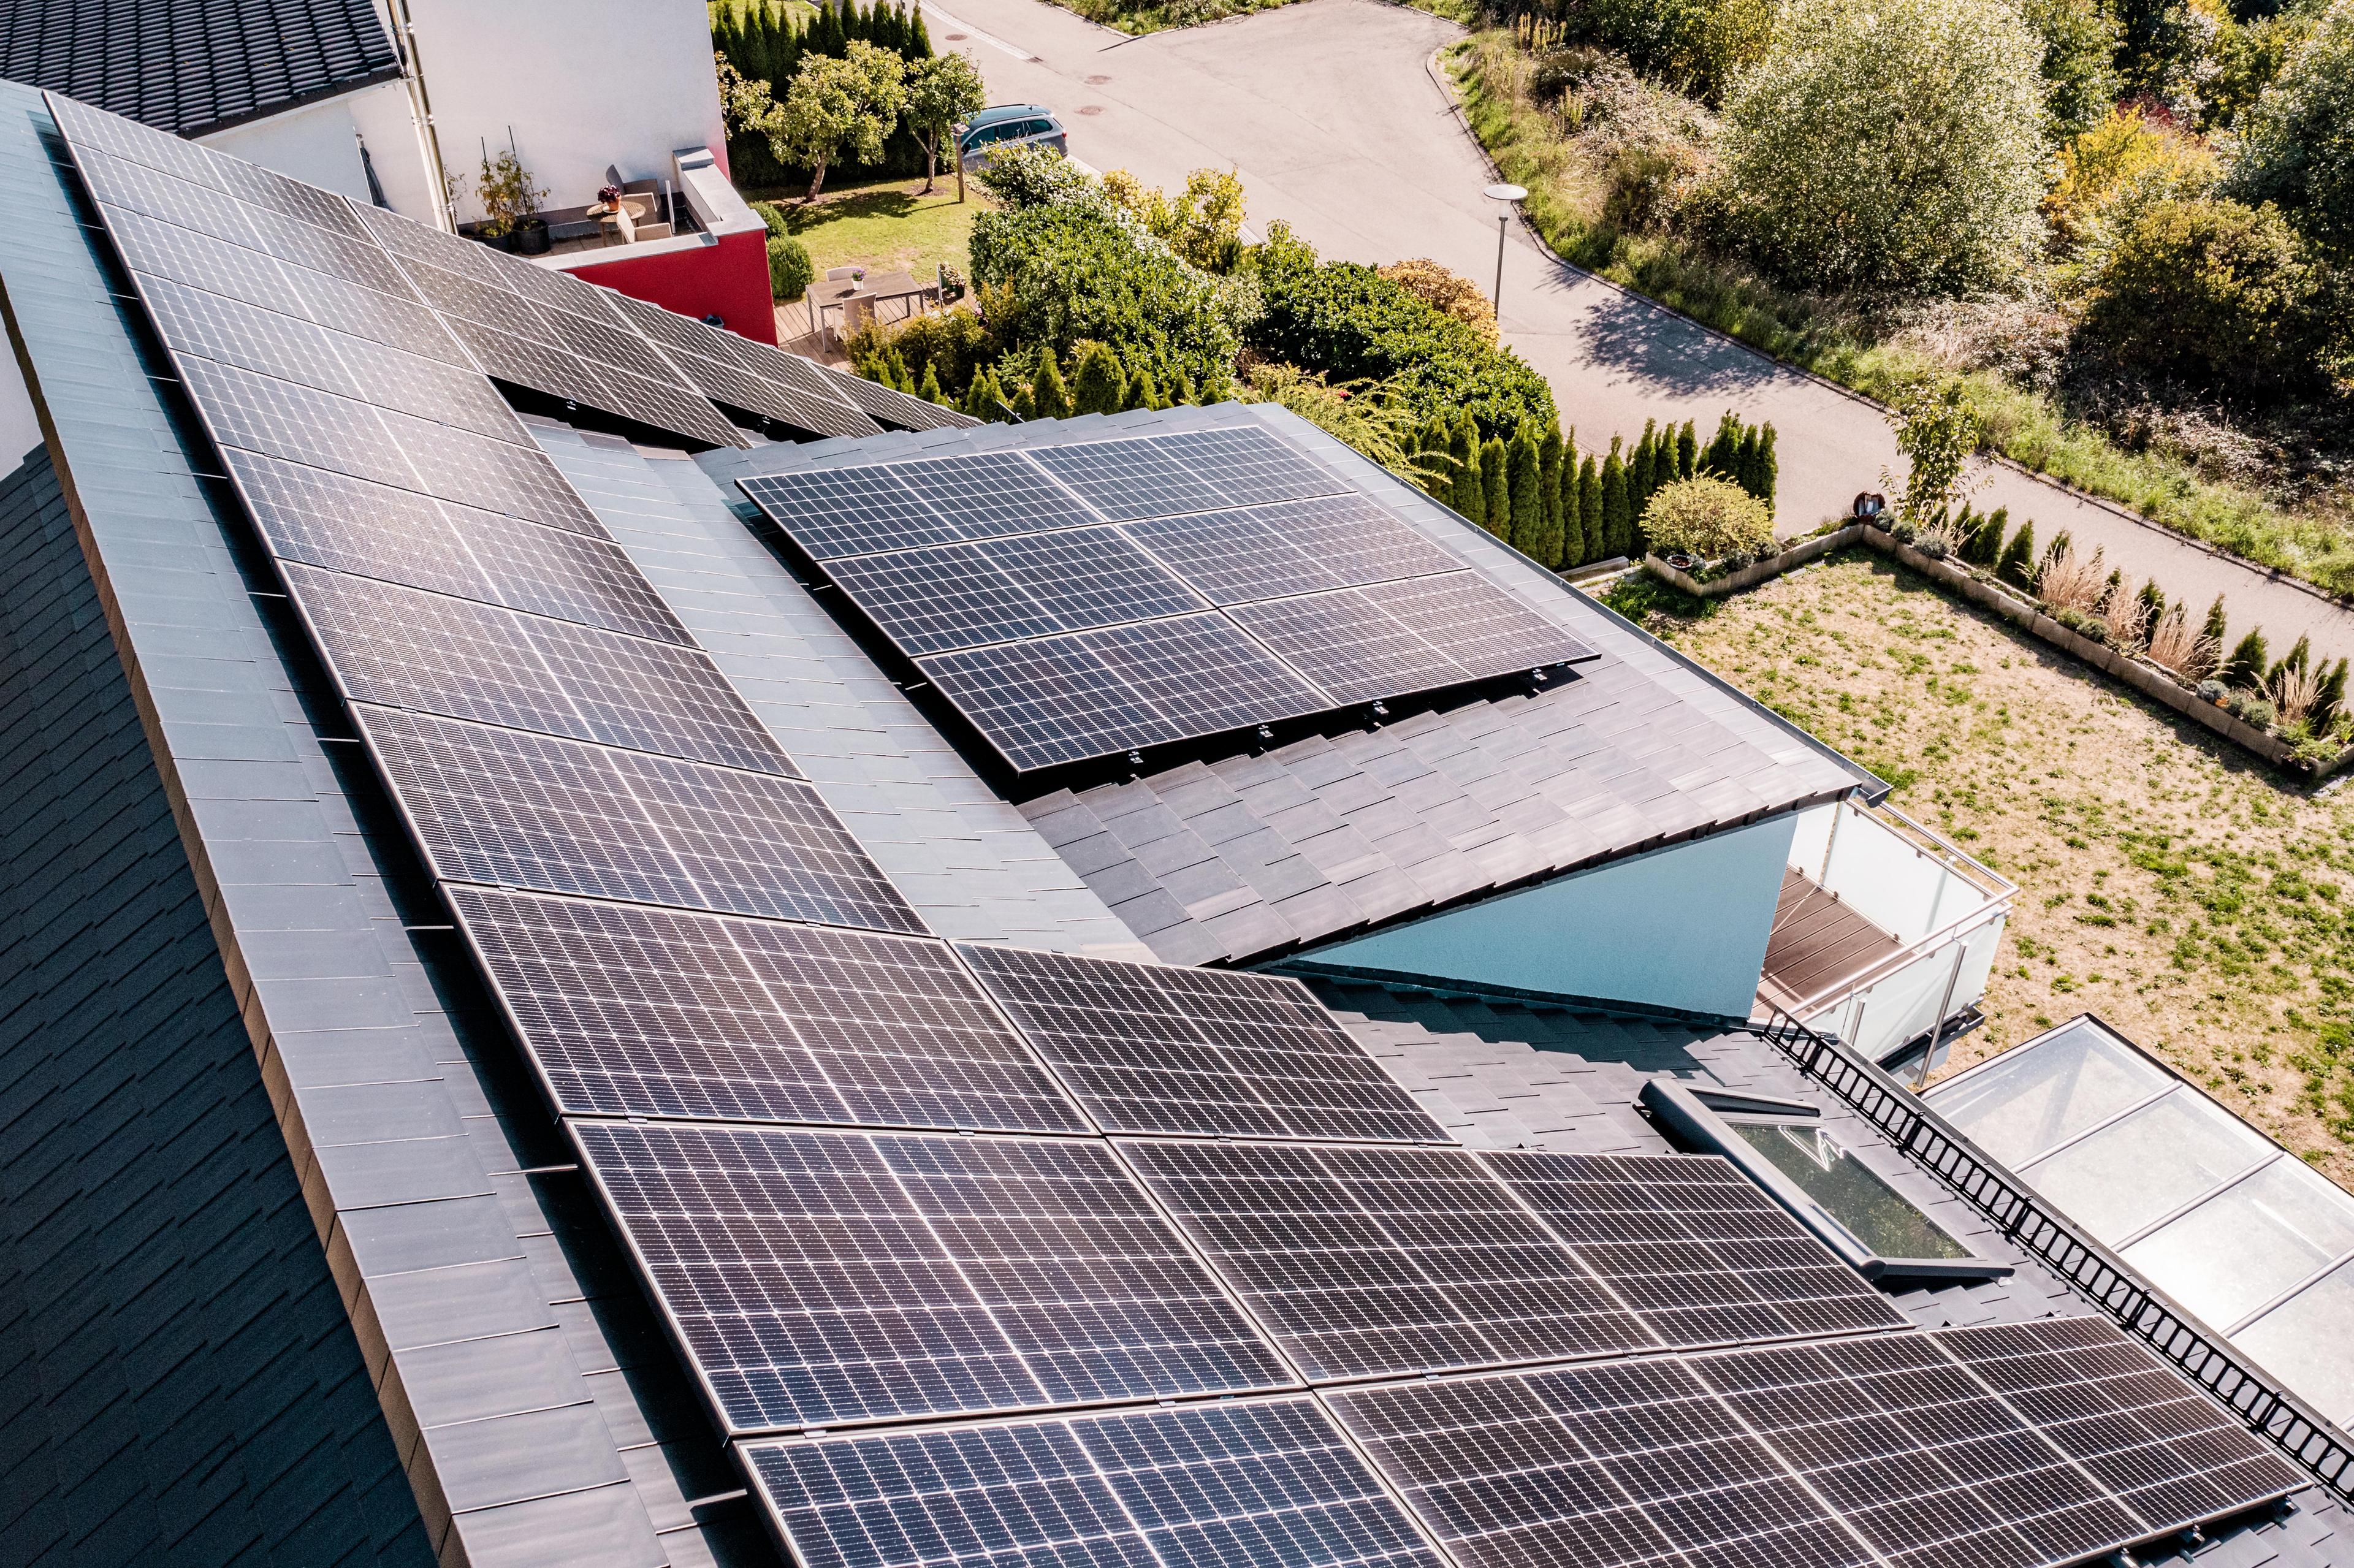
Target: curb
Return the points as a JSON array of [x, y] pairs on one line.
[[1454, 104]]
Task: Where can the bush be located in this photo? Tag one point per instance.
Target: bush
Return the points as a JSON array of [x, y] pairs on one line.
[[2214, 690], [791, 271], [2295, 151], [2209, 289], [1696, 45], [2090, 627], [1350, 322], [1895, 146], [2016, 564], [1707, 517], [2246, 666], [772, 217], [1450, 294], [951, 344]]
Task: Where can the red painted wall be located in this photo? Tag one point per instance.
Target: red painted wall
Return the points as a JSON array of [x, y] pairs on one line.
[[729, 280]]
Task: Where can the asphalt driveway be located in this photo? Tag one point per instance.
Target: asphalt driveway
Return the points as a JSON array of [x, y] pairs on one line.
[[1329, 112]]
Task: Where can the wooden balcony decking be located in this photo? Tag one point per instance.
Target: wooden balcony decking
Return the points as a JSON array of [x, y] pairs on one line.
[[1818, 942]]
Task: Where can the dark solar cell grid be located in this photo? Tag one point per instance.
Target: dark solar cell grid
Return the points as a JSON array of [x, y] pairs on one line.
[[429, 389], [555, 289], [353, 261], [1602, 1466], [1249, 466], [349, 525], [836, 511], [1084, 578], [365, 312], [166, 250], [983, 495], [1150, 1048], [601, 339], [666, 405], [400, 648], [902, 1274], [288, 199], [1231, 558], [633, 1010], [728, 383], [299, 424], [483, 302], [420, 242], [496, 476], [1703, 1262], [1233, 1485], [1367, 1261], [518, 810], [121, 183], [1477, 624], [1357, 541], [2134, 1426], [523, 362], [1202, 674], [125, 138], [193, 321], [1347, 646], [940, 598], [1043, 703], [1130, 479]]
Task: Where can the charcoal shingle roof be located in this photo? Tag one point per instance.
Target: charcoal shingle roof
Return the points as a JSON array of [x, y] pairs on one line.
[[192, 66]]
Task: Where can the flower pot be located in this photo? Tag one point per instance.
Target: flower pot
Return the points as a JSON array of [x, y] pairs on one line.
[[496, 241], [1682, 562], [530, 236]]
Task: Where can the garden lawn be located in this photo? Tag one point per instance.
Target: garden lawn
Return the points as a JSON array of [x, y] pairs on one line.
[[884, 227], [2167, 882]]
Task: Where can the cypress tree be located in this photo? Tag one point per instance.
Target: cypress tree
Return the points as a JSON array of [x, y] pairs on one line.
[[930, 389], [2216, 628], [1495, 481], [1617, 519], [1769, 468], [1436, 461], [1184, 391], [979, 395], [1686, 452], [2246, 667], [1982, 543], [1641, 466], [2016, 565], [788, 52], [1049, 397], [1143, 392], [883, 28], [1718, 458], [1744, 461], [1589, 511], [1470, 492], [1549, 473], [2333, 696], [1527, 471], [1097, 386], [825, 36], [919, 37], [2153, 604]]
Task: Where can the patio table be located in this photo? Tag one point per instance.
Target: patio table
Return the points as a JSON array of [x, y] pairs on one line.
[[828, 295]]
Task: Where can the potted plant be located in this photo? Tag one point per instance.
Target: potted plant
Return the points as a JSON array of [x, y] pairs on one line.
[[511, 219]]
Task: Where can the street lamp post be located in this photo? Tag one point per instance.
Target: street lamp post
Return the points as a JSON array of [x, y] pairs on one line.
[[1512, 197]]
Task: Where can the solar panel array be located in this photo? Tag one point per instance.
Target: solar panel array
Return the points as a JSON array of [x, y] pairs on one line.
[[869, 1176], [1082, 601]]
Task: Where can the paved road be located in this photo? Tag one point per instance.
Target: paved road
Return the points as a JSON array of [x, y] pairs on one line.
[[1329, 111]]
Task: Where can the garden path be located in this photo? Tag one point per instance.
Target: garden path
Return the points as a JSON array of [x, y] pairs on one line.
[[1329, 112]]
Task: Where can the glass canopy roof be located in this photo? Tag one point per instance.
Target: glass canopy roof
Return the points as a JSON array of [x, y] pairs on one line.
[[2229, 1223]]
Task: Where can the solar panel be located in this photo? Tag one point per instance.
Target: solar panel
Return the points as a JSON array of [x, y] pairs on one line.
[[353, 261], [1364, 1261], [1347, 646], [162, 249], [1240, 1484], [399, 648], [665, 405], [1355, 540], [836, 511], [1249, 465], [1477, 624], [1233, 557], [1125, 480], [1202, 674], [288, 198], [941, 597], [120, 184], [416, 241], [496, 476], [1038, 704], [741, 373], [1150, 1048], [299, 424], [1894, 1449], [1694, 1248], [631, 1011], [1087, 577], [983, 495], [821, 1278], [891, 408], [372, 530], [87, 127], [531, 810], [347, 307]]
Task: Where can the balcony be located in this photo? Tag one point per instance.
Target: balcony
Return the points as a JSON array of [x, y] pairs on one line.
[[1884, 934], [700, 249]]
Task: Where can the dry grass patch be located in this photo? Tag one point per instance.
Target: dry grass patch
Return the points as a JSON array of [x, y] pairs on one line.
[[2166, 883]]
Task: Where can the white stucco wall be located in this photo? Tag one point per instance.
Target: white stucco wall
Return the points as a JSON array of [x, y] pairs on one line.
[[1683, 926], [579, 83], [314, 143]]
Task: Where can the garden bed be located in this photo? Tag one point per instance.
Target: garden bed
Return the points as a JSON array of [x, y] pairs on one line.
[[2151, 679]]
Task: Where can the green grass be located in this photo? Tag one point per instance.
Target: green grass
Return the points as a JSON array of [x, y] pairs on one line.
[[2022, 425], [884, 227]]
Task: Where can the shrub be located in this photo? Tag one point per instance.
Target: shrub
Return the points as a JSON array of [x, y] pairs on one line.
[[1366, 417], [2017, 563], [1450, 294], [1707, 517], [2214, 690], [2124, 152], [772, 218], [1099, 386], [2295, 151], [2245, 668], [1982, 544], [1894, 146], [2090, 627], [2251, 709], [1697, 45], [2207, 289], [953, 344], [1351, 323], [1495, 483], [1203, 223], [791, 271]]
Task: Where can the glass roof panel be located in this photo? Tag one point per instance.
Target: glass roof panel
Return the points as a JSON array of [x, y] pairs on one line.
[[2302, 1341], [2031, 1100], [1875, 1212], [2246, 1244], [2142, 1168]]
